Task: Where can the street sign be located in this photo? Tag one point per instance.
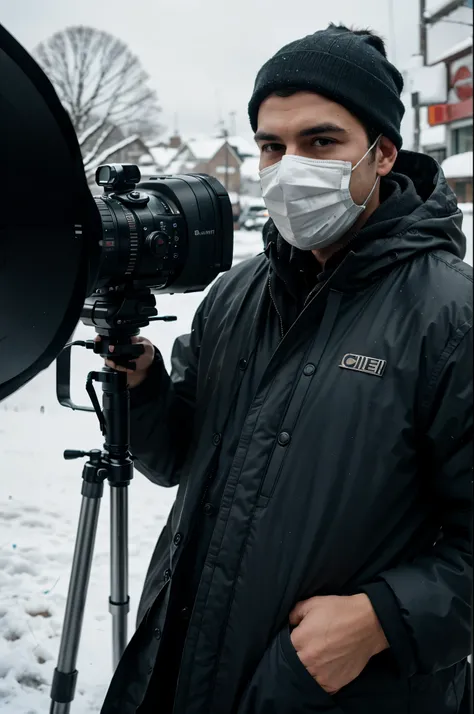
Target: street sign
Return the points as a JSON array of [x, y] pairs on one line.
[[462, 83]]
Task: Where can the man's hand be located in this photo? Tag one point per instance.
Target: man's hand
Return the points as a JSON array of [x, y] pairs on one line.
[[335, 637], [143, 362]]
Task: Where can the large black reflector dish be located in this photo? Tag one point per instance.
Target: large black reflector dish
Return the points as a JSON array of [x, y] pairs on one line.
[[47, 220]]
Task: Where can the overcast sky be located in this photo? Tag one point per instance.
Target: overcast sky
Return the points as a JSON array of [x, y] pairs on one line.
[[203, 55]]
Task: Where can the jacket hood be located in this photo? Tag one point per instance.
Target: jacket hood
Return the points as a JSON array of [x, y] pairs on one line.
[[419, 214]]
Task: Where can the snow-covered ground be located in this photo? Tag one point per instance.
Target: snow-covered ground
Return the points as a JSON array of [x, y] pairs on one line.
[[39, 507]]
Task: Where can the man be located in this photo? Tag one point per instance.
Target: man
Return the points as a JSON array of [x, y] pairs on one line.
[[318, 420]]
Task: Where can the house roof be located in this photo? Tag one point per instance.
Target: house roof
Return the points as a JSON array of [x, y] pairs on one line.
[[458, 165], [163, 156], [180, 165], [243, 147], [438, 6], [456, 49], [204, 149]]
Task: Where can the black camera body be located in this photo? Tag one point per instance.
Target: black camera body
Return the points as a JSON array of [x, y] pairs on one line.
[[169, 233]]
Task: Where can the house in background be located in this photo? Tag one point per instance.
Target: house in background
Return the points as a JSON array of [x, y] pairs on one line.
[[233, 160], [458, 172], [452, 122], [215, 157], [446, 45]]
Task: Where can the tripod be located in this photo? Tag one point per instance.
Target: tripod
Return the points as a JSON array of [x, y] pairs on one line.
[[116, 314]]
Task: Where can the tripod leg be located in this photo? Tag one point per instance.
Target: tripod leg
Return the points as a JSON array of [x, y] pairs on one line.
[[119, 600], [65, 674]]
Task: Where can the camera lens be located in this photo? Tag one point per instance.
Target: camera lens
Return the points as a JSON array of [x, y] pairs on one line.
[[173, 234]]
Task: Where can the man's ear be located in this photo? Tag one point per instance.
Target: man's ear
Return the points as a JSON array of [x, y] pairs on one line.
[[386, 156]]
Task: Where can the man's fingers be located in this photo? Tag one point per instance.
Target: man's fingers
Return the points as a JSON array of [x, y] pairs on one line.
[[301, 609], [297, 614], [117, 367]]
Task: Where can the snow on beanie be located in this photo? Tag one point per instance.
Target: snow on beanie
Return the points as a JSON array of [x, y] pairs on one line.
[[349, 69]]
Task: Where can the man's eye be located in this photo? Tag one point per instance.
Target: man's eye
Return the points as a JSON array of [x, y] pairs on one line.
[[271, 148], [321, 143]]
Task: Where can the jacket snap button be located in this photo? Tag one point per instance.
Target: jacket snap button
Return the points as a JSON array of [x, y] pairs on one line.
[[284, 438], [309, 370], [216, 439], [208, 509], [177, 539], [167, 575], [185, 614], [157, 633], [243, 364]]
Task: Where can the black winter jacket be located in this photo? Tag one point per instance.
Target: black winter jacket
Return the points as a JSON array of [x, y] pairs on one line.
[[341, 437]]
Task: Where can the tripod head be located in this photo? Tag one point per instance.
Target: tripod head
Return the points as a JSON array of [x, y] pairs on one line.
[[117, 314]]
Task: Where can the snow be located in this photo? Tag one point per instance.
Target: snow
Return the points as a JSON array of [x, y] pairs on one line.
[[178, 166], [435, 6], [250, 169], [433, 136], [204, 149], [454, 50], [458, 166], [39, 507], [91, 162], [243, 147], [82, 138], [163, 156], [431, 83]]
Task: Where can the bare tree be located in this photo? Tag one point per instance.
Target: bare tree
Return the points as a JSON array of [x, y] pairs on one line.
[[102, 85]]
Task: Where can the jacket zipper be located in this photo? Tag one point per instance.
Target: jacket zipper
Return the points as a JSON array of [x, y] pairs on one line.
[[312, 294], [282, 332]]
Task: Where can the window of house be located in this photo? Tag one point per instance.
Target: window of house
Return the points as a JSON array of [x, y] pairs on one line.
[[462, 188], [462, 139], [463, 191], [438, 155]]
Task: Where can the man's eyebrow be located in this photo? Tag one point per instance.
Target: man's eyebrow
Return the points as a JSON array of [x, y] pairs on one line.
[[311, 131], [265, 136], [323, 129]]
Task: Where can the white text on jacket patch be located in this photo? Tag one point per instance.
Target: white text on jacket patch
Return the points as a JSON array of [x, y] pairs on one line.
[[360, 363]]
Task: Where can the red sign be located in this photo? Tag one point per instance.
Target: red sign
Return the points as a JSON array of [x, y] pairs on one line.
[[462, 83], [446, 113]]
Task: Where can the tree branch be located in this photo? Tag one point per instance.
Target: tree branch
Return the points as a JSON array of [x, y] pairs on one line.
[[99, 80]]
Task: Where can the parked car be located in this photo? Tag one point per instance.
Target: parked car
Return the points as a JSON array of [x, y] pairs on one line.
[[253, 217]]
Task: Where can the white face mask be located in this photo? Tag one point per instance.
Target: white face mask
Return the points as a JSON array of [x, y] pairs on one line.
[[309, 200]]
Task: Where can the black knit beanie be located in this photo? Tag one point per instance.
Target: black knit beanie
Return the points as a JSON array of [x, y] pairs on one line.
[[349, 69]]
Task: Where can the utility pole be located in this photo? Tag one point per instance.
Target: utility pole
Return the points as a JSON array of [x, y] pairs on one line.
[[233, 122], [423, 32], [415, 97], [415, 102], [393, 34], [225, 134]]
